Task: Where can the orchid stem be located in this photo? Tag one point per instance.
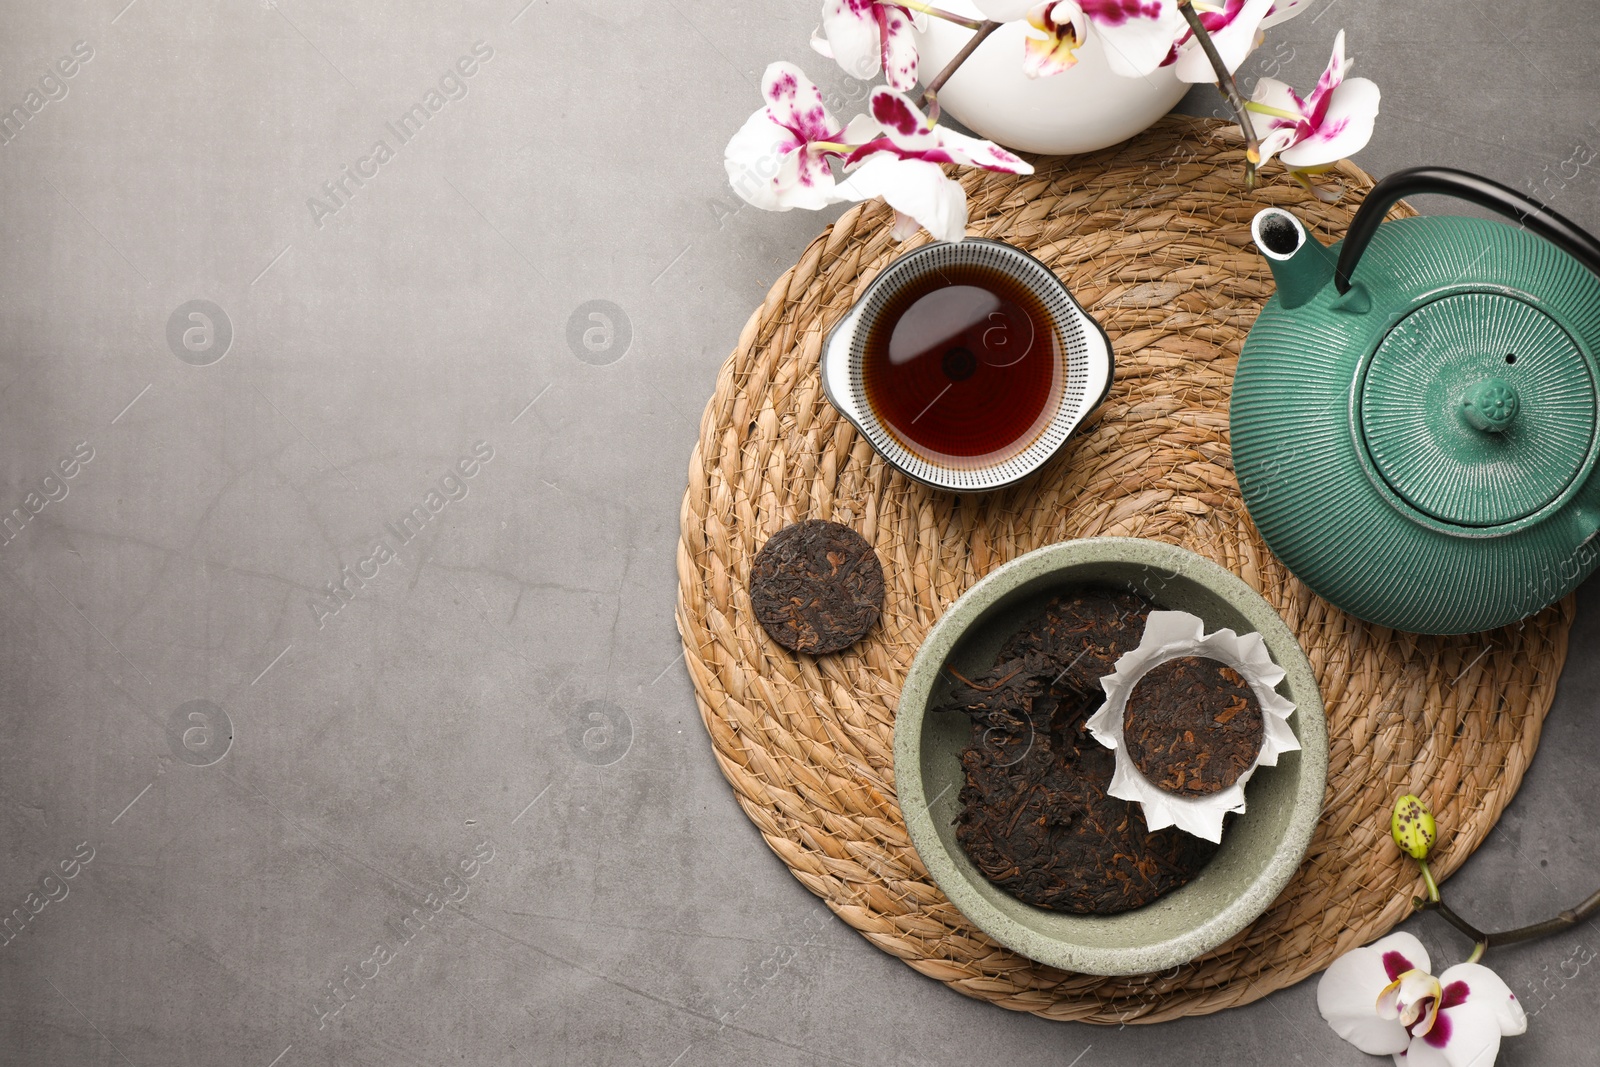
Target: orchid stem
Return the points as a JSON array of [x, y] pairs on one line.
[[1455, 920], [1569, 918], [984, 30], [1230, 91], [940, 13], [1427, 878], [1481, 941]]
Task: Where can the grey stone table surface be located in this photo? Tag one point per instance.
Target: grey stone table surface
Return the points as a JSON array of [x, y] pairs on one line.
[[243, 360]]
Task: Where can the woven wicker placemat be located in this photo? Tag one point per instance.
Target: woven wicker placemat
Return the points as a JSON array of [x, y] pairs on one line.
[[1153, 239]]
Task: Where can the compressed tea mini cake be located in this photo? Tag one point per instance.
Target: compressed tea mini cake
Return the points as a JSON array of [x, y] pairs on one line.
[[816, 587], [1190, 716], [1192, 726]]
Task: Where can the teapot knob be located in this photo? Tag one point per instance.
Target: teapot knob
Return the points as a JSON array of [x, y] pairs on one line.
[[1491, 405]]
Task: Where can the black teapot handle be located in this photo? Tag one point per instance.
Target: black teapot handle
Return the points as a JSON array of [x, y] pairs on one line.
[[1532, 215]]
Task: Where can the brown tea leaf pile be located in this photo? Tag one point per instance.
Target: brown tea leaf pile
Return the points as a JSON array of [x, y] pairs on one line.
[[1035, 816]]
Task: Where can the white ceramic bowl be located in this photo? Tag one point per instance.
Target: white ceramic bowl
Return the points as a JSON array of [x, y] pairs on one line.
[[1082, 109], [1260, 851]]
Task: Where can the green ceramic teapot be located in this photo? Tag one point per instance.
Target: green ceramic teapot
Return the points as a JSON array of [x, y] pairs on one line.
[[1414, 414]]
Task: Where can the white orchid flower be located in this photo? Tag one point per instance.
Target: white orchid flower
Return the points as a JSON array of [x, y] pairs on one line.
[[1383, 1000], [1137, 35], [864, 37], [1334, 122], [897, 156], [1235, 29], [779, 159], [783, 156], [898, 127]]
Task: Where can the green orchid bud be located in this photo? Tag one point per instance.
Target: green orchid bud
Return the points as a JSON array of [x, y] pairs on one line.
[[1413, 827]]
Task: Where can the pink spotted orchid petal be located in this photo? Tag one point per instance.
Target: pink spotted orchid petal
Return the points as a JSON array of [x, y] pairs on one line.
[[1458, 1039], [1235, 28], [795, 103], [1052, 44], [975, 152], [774, 161], [901, 120], [865, 37], [1317, 102], [1476, 1009], [763, 161], [900, 129], [1347, 994], [1137, 34], [1334, 122], [1481, 987], [849, 31], [1345, 129], [897, 155], [914, 188], [1283, 11], [899, 47], [893, 126]]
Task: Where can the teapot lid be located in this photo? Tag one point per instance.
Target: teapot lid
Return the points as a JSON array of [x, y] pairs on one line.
[[1477, 409]]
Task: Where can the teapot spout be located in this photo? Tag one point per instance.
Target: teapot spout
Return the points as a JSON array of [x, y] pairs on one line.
[[1301, 264]]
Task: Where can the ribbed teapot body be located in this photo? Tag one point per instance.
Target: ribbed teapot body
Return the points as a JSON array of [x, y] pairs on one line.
[[1365, 438]]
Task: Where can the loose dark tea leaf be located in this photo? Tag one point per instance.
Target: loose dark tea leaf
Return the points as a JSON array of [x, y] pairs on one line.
[[1192, 726], [1035, 816], [816, 586]]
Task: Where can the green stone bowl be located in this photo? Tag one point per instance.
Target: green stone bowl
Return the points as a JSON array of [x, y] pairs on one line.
[[1261, 849]]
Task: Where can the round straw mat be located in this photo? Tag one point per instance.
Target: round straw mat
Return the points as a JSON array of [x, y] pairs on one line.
[[1153, 238]]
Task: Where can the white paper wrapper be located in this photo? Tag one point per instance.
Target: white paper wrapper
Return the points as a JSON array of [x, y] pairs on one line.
[[1173, 635]]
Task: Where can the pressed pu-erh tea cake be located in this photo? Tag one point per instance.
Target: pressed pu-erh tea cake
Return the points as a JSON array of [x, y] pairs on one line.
[[1192, 726], [1036, 818]]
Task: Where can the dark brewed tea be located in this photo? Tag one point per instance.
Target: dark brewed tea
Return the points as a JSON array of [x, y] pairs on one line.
[[963, 364]]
